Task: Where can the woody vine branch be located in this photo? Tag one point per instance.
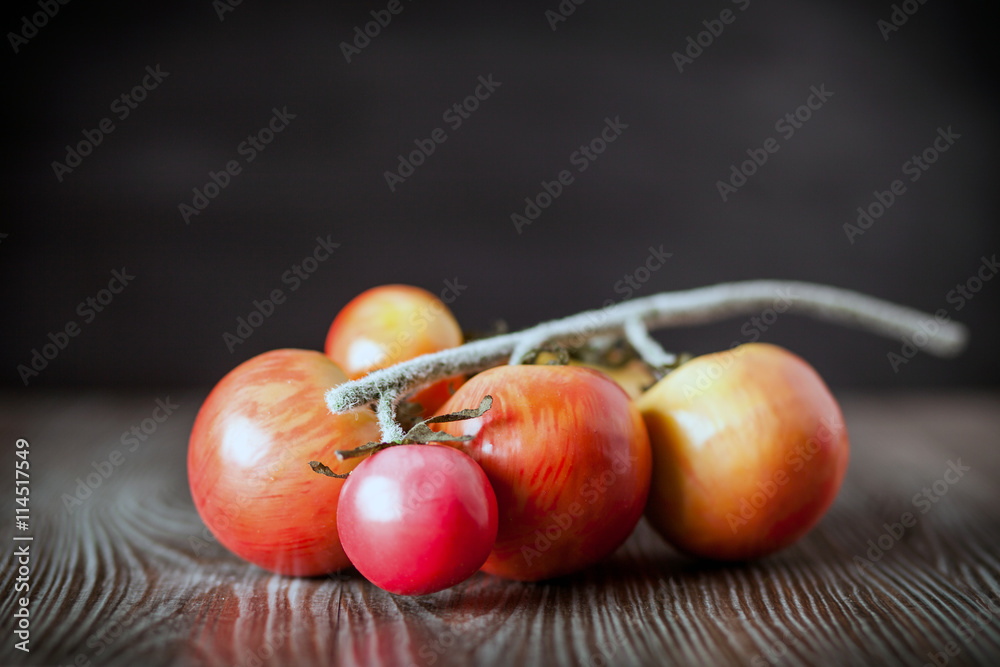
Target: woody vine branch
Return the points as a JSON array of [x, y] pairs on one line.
[[634, 319]]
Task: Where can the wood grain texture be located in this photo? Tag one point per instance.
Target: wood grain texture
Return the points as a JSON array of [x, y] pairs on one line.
[[130, 577]]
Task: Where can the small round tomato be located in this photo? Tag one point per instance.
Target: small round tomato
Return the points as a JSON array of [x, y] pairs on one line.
[[385, 325], [248, 461], [416, 519], [568, 456], [749, 451]]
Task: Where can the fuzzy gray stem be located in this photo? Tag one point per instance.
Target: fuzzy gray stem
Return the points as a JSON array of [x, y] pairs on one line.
[[668, 309], [385, 410], [651, 351]]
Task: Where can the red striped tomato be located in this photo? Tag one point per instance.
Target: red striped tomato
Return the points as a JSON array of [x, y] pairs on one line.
[[248, 461], [568, 456]]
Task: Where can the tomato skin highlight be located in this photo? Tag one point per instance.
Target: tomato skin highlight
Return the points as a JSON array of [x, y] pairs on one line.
[[749, 452], [388, 324], [568, 456], [417, 519], [248, 461]]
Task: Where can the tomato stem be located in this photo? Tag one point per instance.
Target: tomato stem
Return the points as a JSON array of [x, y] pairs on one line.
[[385, 410], [420, 434], [634, 319], [651, 351], [323, 469]]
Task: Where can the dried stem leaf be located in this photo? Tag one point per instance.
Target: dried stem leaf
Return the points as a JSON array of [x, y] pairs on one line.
[[360, 451], [421, 434], [325, 470], [470, 413]]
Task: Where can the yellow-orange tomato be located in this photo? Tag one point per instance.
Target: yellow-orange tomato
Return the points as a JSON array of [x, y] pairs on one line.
[[749, 451], [633, 377], [385, 325]]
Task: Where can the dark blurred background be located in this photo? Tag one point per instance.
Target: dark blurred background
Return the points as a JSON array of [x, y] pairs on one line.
[[323, 174]]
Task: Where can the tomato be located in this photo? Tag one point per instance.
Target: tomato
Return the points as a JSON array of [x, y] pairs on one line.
[[385, 325], [749, 451], [416, 519], [634, 377], [248, 461], [568, 456]]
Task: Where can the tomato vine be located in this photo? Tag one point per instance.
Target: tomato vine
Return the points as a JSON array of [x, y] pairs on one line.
[[387, 387]]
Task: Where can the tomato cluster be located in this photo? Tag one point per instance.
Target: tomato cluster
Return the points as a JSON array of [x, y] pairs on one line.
[[731, 456]]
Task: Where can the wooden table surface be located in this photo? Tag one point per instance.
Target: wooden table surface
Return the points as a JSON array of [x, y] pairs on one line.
[[130, 577]]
